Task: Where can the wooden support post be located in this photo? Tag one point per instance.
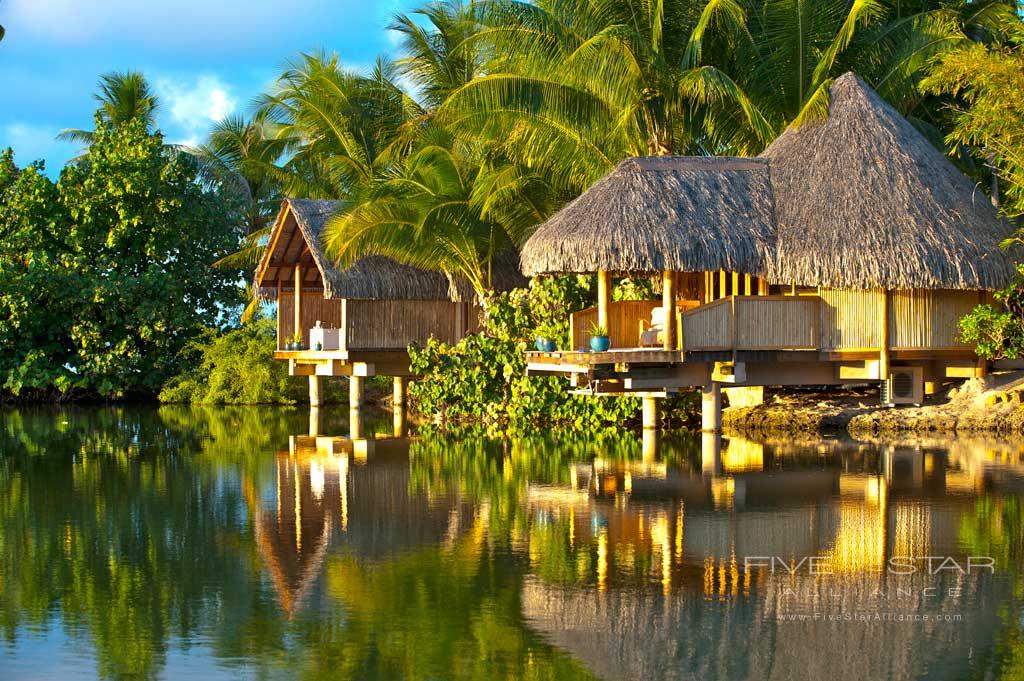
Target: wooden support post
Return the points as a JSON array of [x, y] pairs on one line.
[[746, 285], [355, 392], [883, 353], [711, 408], [650, 413], [668, 302], [297, 329], [709, 288], [604, 298], [736, 283], [315, 399], [792, 288], [721, 283]]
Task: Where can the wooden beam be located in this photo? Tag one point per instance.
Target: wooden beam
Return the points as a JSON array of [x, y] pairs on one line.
[[297, 328], [668, 302], [604, 297]]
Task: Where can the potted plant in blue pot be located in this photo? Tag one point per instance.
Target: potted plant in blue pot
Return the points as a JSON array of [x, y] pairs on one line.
[[599, 339], [545, 341]]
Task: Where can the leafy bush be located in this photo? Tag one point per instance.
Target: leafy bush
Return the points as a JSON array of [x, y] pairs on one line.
[[998, 332], [237, 367], [483, 377]]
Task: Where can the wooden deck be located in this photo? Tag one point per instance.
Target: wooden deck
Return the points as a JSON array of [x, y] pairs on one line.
[[345, 362]]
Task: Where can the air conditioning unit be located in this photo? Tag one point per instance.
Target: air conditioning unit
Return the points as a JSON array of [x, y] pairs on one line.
[[905, 385]]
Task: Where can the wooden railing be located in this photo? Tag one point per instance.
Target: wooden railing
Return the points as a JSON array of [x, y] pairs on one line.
[[835, 321], [624, 318], [752, 323]]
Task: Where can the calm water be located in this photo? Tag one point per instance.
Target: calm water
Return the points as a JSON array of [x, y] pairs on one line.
[[227, 543]]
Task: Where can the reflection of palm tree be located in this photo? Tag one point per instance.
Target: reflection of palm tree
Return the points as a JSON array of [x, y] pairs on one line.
[[123, 96]]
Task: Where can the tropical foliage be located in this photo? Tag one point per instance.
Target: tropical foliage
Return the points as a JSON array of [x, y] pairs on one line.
[[237, 367], [105, 275]]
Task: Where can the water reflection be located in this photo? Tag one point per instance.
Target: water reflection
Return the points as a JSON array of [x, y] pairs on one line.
[[250, 543]]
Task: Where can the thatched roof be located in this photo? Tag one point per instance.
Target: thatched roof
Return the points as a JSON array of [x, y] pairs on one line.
[[657, 213], [863, 200], [296, 237]]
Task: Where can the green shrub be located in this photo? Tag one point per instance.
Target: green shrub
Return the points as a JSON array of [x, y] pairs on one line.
[[483, 377], [998, 333], [237, 367]]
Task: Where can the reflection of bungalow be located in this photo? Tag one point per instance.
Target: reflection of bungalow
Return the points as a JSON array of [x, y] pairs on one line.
[[336, 494], [370, 313], [846, 252]]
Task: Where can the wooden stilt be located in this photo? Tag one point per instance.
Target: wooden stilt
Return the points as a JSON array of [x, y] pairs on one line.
[[314, 421], [668, 302], [711, 408]]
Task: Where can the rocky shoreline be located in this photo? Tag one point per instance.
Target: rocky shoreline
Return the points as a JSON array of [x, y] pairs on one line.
[[992, 405]]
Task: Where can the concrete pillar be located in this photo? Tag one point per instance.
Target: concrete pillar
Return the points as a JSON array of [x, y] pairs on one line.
[[314, 421], [650, 445], [315, 397], [650, 413], [711, 408], [745, 396], [711, 454], [355, 392], [399, 424], [399, 390], [355, 424]]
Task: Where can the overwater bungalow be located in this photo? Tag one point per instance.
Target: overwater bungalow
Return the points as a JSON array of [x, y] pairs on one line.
[[845, 253], [355, 322]]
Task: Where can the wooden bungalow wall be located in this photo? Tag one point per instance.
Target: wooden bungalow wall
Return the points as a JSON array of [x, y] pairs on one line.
[[378, 324], [832, 321]]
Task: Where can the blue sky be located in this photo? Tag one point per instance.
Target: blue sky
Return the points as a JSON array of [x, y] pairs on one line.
[[205, 58]]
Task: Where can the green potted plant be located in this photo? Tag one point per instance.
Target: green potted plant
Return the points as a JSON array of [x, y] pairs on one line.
[[599, 339], [546, 334], [296, 343]]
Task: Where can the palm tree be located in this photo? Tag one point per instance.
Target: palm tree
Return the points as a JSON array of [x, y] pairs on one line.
[[440, 203], [123, 96], [337, 126], [573, 86], [443, 209]]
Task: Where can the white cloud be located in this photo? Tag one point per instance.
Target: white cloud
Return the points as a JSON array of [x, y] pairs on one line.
[[193, 105], [32, 142]]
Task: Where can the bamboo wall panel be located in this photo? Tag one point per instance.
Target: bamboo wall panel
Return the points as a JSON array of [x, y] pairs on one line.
[[394, 324], [314, 307], [850, 320], [624, 322], [776, 323], [708, 327], [925, 320], [378, 324]]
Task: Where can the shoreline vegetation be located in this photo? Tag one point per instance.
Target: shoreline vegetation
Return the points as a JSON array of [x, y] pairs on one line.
[[122, 279]]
